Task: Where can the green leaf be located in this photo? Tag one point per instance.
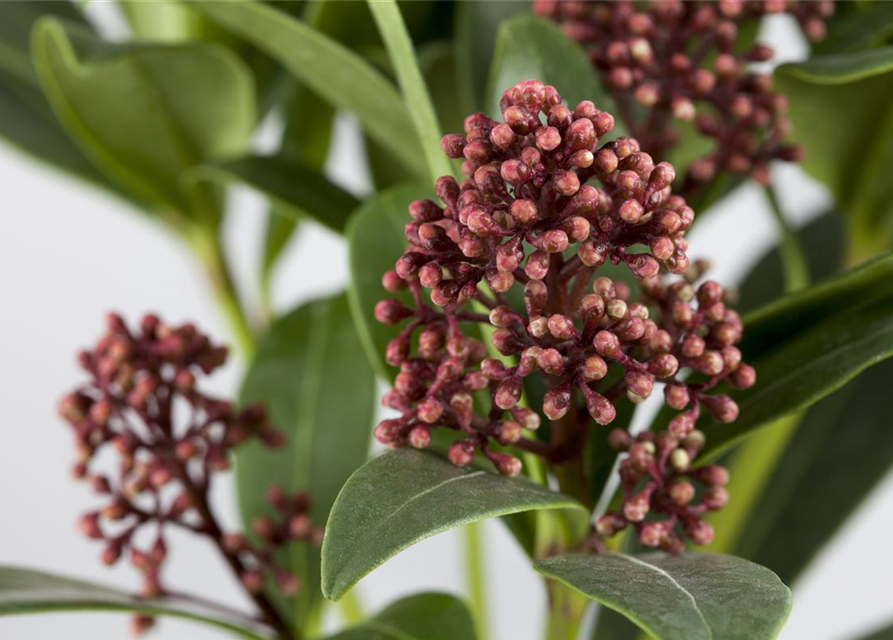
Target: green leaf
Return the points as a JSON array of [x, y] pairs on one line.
[[412, 85], [438, 63], [25, 591], [297, 189], [26, 120], [424, 616], [406, 496], [842, 115], [529, 47], [375, 242], [770, 327], [804, 505], [856, 26], [808, 367], [328, 68], [476, 22], [310, 373], [884, 633], [146, 113], [689, 597]]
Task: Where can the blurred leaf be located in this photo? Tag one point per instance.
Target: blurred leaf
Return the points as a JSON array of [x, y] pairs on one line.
[[320, 392], [856, 26], [884, 633], [296, 188], [843, 118], [424, 616], [476, 26], [328, 68], [170, 21], [25, 591], [26, 120], [438, 64], [412, 85], [529, 47], [690, 597], [405, 496], [375, 241], [144, 114]]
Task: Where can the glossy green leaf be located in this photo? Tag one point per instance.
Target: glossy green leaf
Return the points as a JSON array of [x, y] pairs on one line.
[[529, 47], [297, 189], [406, 496], [476, 24], [808, 367], [328, 68], [841, 109], [695, 596], [424, 616], [25, 591], [311, 374], [146, 113], [412, 85], [375, 242]]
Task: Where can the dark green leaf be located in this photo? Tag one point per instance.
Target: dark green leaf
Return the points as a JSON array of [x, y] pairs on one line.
[[438, 64], [375, 242], [146, 113], [476, 26], [841, 109], [295, 187], [772, 326], [425, 616], [412, 85], [405, 496], [808, 367], [311, 374], [690, 597], [885, 633], [529, 47], [27, 591], [328, 68], [856, 26]]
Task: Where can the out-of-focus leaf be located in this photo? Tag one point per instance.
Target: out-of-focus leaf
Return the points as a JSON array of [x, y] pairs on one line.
[[171, 21], [695, 596], [424, 616], [26, 591], [406, 496], [856, 26], [146, 113], [375, 241], [529, 47], [296, 188], [329, 69], [842, 114], [476, 24], [884, 633], [438, 64], [412, 85], [310, 373]]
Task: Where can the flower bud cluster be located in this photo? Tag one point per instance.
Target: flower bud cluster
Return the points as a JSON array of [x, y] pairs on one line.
[[526, 218], [143, 403], [685, 61], [664, 498]]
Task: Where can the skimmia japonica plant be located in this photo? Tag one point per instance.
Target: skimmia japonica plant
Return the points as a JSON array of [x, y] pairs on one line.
[[527, 275]]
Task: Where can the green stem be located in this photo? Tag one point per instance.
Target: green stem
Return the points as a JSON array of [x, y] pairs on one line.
[[566, 610], [209, 250], [351, 608], [793, 258], [474, 577]]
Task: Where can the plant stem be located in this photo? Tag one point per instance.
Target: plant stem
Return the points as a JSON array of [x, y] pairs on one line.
[[208, 247], [793, 259], [566, 609], [474, 577], [351, 608]]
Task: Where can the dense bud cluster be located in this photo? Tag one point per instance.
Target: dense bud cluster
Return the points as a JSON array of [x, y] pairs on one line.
[[527, 218], [143, 403], [659, 498], [672, 60]]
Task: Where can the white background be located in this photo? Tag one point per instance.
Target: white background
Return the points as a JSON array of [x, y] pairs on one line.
[[68, 254]]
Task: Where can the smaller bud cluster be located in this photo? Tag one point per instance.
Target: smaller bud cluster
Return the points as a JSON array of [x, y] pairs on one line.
[[143, 403], [664, 498], [684, 60]]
